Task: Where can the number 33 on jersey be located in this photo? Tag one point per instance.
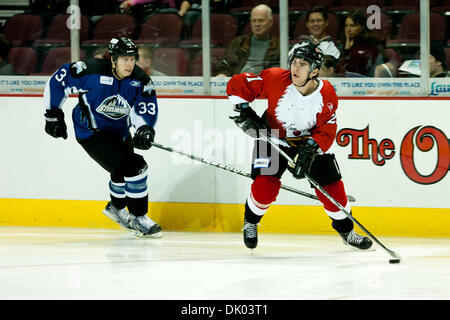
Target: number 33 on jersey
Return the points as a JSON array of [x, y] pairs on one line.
[[105, 103]]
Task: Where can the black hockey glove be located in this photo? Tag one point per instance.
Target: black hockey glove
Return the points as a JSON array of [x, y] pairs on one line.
[[144, 137], [55, 124], [304, 158], [248, 120]]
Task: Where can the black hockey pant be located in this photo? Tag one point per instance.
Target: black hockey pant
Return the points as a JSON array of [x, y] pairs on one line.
[[128, 170]]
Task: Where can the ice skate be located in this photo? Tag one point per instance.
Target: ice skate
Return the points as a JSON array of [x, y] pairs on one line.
[[355, 240], [250, 231], [122, 216], [145, 227]]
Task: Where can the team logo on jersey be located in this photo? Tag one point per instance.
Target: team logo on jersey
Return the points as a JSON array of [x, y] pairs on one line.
[[114, 107], [135, 83], [149, 88], [79, 66]]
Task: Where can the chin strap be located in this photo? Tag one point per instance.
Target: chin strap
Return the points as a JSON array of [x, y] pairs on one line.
[[306, 81]]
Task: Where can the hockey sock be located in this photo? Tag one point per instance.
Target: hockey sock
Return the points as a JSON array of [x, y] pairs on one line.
[[337, 191], [137, 194], [343, 225], [250, 216], [117, 193], [263, 192]]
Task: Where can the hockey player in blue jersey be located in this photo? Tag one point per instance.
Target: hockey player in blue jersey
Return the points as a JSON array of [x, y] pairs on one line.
[[114, 95]]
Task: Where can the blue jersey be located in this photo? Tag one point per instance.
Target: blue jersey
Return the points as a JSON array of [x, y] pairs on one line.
[[105, 103]]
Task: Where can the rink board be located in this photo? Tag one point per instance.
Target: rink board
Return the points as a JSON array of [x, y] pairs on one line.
[[206, 217], [392, 155]]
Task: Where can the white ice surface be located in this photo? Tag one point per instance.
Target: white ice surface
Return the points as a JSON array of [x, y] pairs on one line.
[[70, 263]]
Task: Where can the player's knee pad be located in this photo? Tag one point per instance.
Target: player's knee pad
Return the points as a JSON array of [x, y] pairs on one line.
[[264, 191], [134, 166]]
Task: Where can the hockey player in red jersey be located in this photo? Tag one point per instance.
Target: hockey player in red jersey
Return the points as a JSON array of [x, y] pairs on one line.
[[301, 116]]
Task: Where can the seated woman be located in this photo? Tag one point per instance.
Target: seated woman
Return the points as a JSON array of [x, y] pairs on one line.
[[362, 52]]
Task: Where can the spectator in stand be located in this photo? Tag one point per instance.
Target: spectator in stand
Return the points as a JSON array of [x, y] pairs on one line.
[[126, 5], [145, 61], [48, 9], [255, 51], [191, 10], [437, 61], [100, 53], [317, 25], [329, 67], [438, 68], [94, 10], [362, 52], [141, 9], [6, 68]]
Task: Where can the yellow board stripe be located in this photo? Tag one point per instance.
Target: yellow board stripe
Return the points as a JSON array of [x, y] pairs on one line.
[[209, 217]]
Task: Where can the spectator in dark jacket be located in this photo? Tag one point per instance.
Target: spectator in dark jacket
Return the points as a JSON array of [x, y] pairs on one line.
[[254, 51], [362, 52], [438, 68], [6, 68]]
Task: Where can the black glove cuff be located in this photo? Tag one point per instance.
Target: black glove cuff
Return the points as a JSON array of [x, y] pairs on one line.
[[54, 113]]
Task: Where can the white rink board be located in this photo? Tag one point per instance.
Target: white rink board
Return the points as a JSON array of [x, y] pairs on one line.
[[36, 166]]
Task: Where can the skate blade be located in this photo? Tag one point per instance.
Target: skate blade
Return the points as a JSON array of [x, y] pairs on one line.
[[371, 249], [153, 235], [120, 225]]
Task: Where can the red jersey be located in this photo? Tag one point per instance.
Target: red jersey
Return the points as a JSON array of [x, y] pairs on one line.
[[293, 114]]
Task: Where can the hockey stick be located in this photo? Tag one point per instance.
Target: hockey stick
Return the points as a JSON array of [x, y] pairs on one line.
[[227, 168], [394, 254]]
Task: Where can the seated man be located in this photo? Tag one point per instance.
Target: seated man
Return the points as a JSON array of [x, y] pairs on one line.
[[145, 61], [317, 25], [254, 51]]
